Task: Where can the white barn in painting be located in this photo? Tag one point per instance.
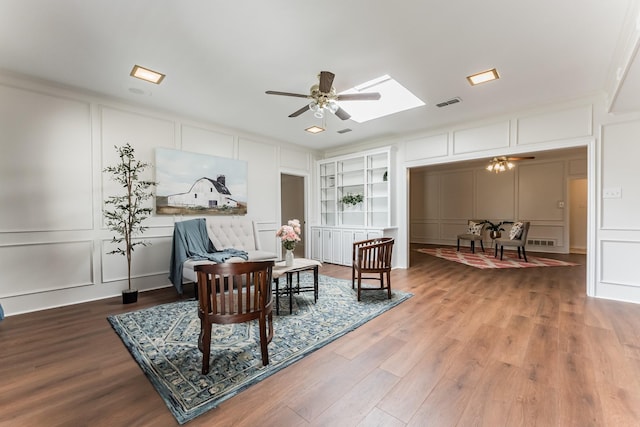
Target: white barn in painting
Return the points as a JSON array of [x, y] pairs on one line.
[[205, 193]]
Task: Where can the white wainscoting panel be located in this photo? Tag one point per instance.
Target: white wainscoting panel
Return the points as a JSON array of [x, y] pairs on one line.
[[456, 195], [450, 231], [29, 269], [425, 195], [148, 260], [424, 231], [541, 188], [495, 195], [145, 133], [548, 232], [204, 141], [553, 126], [619, 262], [294, 159], [481, 138], [620, 154], [427, 147], [263, 180], [45, 163], [578, 167], [267, 236]]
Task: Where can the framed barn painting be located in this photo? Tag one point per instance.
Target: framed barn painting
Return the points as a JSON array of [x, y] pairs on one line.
[[198, 184]]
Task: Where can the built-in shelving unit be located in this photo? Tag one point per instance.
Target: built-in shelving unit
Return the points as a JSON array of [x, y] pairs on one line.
[[364, 174], [367, 174]]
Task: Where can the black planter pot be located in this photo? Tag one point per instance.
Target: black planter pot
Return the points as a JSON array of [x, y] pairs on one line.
[[129, 296]]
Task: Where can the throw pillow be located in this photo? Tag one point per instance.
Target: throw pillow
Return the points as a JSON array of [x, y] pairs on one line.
[[474, 228], [516, 230]]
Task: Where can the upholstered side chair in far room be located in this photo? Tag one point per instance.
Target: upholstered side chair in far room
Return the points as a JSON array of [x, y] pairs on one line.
[[517, 238], [474, 233], [234, 292]]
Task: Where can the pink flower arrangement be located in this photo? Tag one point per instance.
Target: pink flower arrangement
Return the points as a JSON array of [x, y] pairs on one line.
[[289, 234]]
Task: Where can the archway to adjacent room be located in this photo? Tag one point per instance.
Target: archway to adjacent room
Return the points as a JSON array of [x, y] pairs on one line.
[[426, 225]]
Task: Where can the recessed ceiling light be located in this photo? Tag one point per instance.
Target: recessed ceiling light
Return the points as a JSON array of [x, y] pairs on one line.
[[314, 129], [146, 74], [485, 76]]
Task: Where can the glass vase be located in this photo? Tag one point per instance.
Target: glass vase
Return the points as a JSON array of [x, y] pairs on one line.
[[288, 258]]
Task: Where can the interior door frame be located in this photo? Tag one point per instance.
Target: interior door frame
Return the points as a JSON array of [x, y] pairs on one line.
[[306, 236]]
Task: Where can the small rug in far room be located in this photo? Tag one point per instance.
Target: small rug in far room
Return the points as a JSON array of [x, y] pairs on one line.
[[164, 341], [486, 260]]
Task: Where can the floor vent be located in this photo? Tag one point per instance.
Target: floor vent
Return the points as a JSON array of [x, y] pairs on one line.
[[449, 102], [538, 242]]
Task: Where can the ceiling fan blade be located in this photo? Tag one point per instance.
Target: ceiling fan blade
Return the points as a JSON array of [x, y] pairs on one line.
[[342, 114], [371, 96], [326, 80], [297, 95], [521, 158], [300, 111]]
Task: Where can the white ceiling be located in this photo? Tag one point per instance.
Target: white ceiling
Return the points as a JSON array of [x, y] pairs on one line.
[[220, 57]]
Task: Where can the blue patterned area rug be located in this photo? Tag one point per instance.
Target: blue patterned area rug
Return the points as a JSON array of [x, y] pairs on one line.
[[164, 342]]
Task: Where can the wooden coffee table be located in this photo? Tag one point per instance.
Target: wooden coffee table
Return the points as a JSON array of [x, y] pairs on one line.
[[299, 265]]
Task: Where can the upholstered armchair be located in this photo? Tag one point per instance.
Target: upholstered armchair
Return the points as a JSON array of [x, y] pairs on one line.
[[474, 233], [517, 238]]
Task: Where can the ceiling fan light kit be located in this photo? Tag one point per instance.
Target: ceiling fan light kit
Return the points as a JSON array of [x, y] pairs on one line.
[[503, 163], [323, 97]]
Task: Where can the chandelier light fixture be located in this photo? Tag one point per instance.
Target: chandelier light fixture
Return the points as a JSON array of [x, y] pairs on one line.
[[500, 164]]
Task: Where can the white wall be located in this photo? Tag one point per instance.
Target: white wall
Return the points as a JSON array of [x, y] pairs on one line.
[[55, 144], [618, 219]]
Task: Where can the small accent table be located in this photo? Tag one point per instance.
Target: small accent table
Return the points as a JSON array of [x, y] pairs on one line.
[[299, 265]]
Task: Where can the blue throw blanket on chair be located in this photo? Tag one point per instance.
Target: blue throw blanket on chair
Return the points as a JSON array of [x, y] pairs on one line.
[[191, 241]]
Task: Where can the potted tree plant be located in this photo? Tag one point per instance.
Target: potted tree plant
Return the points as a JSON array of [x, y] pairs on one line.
[[128, 210]]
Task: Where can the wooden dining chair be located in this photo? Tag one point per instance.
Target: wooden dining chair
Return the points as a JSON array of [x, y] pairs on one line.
[[372, 257], [234, 293]]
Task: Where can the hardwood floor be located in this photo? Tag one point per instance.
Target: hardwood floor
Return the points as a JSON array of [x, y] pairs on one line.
[[518, 347]]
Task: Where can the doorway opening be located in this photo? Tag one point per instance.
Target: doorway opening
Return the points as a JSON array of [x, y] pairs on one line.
[[292, 199], [578, 216]]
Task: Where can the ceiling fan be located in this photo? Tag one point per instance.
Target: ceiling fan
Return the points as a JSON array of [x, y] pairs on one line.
[[323, 96], [502, 163]]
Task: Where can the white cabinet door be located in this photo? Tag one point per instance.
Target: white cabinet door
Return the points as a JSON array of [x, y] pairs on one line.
[[374, 234], [348, 237], [316, 243], [326, 245], [336, 247]]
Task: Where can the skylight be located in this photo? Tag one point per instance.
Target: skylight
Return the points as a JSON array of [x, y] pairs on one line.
[[394, 98]]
